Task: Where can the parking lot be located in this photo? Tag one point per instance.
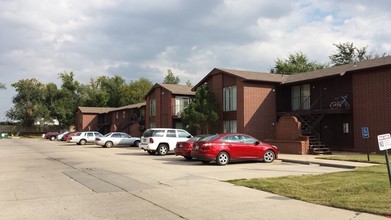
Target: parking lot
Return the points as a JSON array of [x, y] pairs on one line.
[[42, 179]]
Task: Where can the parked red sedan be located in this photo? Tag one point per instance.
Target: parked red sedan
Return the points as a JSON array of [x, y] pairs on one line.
[[183, 148], [224, 148]]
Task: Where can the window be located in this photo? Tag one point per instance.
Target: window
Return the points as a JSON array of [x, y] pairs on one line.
[[181, 102], [234, 139], [152, 125], [230, 126], [152, 107], [171, 133], [123, 114], [116, 135], [158, 133], [229, 98], [249, 140], [301, 97], [183, 134]]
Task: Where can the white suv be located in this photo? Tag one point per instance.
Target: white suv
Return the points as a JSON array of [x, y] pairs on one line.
[[162, 140]]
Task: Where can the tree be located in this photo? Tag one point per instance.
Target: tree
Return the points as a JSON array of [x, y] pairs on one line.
[[2, 86], [295, 63], [188, 83], [28, 103], [135, 91], [170, 78], [67, 100], [348, 53], [92, 95], [202, 111], [113, 87]]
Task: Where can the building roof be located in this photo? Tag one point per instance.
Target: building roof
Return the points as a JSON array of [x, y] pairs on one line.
[[138, 105], [178, 89], [95, 110], [174, 89], [285, 79], [339, 70], [100, 110]]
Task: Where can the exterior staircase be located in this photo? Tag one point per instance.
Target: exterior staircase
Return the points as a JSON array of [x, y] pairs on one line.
[[308, 122]]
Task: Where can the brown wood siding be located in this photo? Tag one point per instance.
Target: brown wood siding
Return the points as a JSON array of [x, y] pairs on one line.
[[215, 84], [259, 115], [90, 122], [372, 104]]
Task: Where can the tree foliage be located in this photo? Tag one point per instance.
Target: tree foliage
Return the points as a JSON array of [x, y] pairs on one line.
[[295, 63], [202, 111], [135, 91], [170, 78], [113, 86], [29, 102], [2, 86], [36, 101], [348, 53]]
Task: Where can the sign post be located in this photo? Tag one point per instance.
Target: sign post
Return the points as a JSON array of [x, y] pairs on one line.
[[384, 141], [365, 135]]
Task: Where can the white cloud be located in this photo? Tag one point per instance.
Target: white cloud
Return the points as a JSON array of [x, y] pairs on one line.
[[137, 39]]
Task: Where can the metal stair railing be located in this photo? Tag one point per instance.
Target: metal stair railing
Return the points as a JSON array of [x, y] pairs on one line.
[[316, 145]]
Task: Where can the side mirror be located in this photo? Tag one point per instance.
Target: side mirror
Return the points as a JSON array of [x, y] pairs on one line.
[[256, 143]]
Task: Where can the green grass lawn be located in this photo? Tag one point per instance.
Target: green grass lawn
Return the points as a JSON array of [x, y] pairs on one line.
[[365, 189]]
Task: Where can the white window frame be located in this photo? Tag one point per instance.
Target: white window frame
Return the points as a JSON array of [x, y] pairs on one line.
[[300, 97], [230, 126], [181, 102], [229, 98], [152, 107]]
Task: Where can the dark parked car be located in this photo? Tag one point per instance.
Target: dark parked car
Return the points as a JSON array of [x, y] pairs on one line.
[[224, 148], [51, 135], [183, 148]]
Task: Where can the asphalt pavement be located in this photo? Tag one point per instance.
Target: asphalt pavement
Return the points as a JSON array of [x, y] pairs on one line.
[[40, 179]]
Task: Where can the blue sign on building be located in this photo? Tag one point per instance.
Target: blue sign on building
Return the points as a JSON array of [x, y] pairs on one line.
[[365, 132]]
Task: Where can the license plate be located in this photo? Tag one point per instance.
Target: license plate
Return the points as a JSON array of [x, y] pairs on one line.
[[197, 147]]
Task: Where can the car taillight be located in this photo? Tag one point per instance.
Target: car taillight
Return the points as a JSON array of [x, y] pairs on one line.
[[151, 140]]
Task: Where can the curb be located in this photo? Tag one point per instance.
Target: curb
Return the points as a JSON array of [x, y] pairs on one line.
[[319, 163]]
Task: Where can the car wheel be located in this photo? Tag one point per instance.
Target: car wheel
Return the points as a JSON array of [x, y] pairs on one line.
[[82, 142], [52, 138], [222, 158], [269, 156], [108, 144], [187, 157], [136, 143], [205, 161], [162, 149], [151, 152]]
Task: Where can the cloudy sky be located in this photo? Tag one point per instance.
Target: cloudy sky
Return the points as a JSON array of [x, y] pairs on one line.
[[145, 38]]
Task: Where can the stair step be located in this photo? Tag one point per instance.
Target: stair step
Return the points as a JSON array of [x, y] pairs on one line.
[[323, 150]]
